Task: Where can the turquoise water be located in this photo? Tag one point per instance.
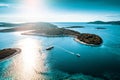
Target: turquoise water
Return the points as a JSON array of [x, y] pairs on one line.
[[60, 63]]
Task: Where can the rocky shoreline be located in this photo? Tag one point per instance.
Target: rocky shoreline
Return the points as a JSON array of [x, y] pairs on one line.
[[8, 52], [89, 39]]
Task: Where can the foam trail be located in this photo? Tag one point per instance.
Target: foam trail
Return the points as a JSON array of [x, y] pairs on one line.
[[65, 50]]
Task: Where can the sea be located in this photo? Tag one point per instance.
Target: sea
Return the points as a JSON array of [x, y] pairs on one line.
[[34, 62]]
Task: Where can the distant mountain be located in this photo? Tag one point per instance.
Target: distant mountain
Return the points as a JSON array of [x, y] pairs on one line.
[[102, 22], [40, 24], [41, 28], [74, 27], [4, 24], [29, 26]]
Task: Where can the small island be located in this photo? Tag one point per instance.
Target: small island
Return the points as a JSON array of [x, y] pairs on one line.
[[100, 28], [50, 30], [89, 39], [8, 52], [102, 22], [75, 27]]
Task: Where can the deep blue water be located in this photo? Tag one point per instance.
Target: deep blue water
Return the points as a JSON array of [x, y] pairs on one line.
[[94, 61]]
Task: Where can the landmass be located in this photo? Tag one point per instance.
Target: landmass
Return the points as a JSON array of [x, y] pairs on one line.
[[75, 27], [8, 52], [30, 26], [52, 32], [5, 24], [100, 28], [102, 22], [47, 29], [89, 39]]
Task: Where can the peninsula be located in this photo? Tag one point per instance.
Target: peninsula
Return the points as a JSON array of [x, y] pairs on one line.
[[50, 30], [5, 24]]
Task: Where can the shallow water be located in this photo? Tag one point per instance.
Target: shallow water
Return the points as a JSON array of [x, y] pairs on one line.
[[60, 63]]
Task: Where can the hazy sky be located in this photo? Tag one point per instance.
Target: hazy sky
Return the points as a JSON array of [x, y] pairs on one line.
[[59, 10]]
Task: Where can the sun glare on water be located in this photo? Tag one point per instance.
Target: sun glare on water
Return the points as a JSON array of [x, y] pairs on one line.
[[29, 51], [29, 61]]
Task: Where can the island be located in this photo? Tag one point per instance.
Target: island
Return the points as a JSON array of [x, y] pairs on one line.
[[102, 22], [5, 24], [8, 52], [89, 39], [75, 27], [100, 28], [50, 30]]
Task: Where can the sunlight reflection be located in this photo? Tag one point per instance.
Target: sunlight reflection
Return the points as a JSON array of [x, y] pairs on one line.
[[29, 50], [29, 61], [18, 33]]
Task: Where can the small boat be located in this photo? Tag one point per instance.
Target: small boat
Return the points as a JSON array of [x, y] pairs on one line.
[[49, 48], [78, 55]]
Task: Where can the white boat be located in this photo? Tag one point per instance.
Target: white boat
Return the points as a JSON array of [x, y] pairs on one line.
[[49, 48], [78, 55]]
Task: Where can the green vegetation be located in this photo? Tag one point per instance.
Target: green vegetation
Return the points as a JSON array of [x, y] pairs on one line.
[[101, 22], [5, 53], [75, 27], [91, 39], [30, 26], [47, 29], [53, 32], [100, 28], [4, 24]]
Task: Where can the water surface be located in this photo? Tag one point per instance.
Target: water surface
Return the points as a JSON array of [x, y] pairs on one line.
[[38, 63]]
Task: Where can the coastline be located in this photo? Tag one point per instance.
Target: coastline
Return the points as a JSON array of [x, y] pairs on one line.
[[44, 35], [49, 30], [77, 40], [9, 56]]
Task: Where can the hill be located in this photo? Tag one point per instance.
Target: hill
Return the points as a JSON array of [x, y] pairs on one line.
[[102, 22], [48, 29]]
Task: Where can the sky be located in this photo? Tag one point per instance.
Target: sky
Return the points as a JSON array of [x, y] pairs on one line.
[[59, 10]]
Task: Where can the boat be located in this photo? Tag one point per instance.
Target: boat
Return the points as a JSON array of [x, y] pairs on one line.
[[78, 55], [49, 48]]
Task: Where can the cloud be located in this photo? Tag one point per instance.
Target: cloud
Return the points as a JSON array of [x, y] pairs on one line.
[[4, 5]]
